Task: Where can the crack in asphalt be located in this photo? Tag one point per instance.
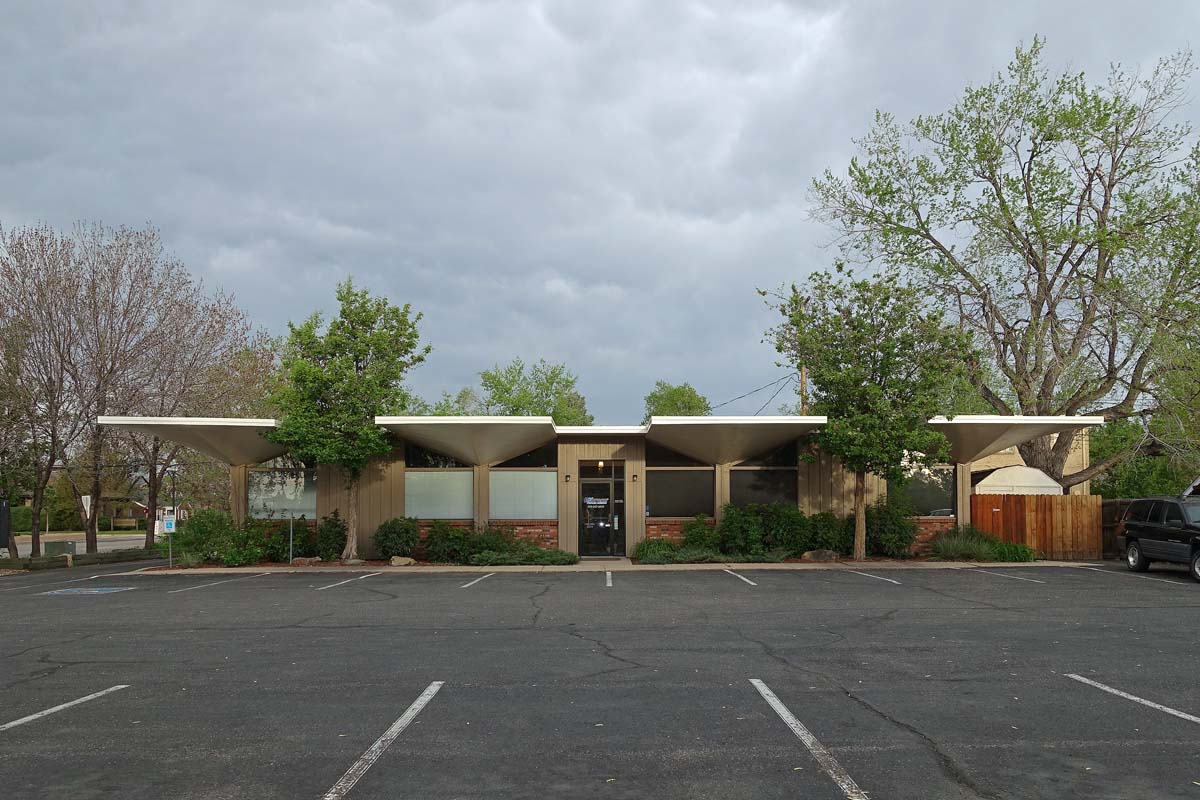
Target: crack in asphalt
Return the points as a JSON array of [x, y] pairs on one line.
[[949, 766], [608, 651], [534, 599], [49, 644]]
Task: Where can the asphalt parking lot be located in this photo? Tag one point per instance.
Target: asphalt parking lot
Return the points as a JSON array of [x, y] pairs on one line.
[[754, 684]]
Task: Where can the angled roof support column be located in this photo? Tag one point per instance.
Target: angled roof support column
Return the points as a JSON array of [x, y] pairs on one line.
[[975, 436], [237, 442], [478, 441]]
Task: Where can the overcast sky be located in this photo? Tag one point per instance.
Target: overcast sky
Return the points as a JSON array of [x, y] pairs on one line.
[[600, 183]]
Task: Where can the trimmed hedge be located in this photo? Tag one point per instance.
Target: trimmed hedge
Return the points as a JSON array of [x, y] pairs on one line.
[[491, 545]]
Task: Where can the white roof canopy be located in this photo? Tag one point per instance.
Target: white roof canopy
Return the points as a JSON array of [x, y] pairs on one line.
[[233, 441], [974, 436], [474, 440], [723, 440]]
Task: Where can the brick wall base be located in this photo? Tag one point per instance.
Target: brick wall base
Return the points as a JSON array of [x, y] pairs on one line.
[[927, 528], [542, 532], [668, 527]]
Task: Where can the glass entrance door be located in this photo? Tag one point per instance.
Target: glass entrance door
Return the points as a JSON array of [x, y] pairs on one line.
[[599, 533]]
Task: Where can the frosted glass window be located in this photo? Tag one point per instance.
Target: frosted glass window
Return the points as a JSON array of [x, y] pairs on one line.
[[280, 493], [523, 495], [439, 495]]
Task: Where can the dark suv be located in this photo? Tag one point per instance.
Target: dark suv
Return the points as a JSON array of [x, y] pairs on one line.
[[1162, 529]]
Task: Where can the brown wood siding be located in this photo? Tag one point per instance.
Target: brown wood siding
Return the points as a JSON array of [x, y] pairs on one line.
[[572, 450], [380, 495], [1057, 526]]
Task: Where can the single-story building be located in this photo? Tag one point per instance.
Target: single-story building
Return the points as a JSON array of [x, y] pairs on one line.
[[592, 490]]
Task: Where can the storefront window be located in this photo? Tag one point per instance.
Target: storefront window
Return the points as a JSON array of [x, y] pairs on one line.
[[439, 494], [930, 492], [523, 494], [679, 492], [748, 486], [283, 493]]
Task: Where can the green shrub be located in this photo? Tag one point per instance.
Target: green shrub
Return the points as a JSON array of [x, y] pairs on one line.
[[740, 530], [22, 518], [963, 543], [527, 555], [242, 547], [272, 537], [204, 537], [655, 551], [828, 532], [397, 537], [890, 529], [1011, 551], [331, 537], [445, 543], [698, 533], [497, 538], [697, 555], [784, 527]]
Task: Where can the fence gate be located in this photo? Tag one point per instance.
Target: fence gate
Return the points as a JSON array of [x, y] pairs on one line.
[[1057, 526]]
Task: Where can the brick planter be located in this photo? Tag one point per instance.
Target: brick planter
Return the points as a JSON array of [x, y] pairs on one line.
[[927, 528], [668, 527], [542, 532]]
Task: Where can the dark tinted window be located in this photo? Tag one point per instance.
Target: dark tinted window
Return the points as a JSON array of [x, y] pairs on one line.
[[786, 456], [544, 456], [1193, 512], [927, 491], [1138, 510], [679, 492], [1174, 513], [762, 486], [593, 469], [418, 457], [1156, 512]]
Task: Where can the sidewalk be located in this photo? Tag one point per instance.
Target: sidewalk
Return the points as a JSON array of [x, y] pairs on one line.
[[623, 565]]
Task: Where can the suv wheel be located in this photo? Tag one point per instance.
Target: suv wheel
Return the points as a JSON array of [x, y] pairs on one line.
[[1196, 565], [1134, 558]]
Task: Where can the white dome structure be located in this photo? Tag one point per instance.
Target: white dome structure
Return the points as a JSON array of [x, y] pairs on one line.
[[1018, 480]]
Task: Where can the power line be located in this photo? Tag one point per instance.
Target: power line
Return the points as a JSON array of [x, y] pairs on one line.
[[790, 375]]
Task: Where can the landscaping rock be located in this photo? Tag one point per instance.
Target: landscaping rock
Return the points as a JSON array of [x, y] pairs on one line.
[[402, 561], [305, 562], [820, 555]]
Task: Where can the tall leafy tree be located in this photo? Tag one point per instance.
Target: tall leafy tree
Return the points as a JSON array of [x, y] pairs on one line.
[[336, 378], [543, 389], [1058, 219], [879, 365], [675, 400]]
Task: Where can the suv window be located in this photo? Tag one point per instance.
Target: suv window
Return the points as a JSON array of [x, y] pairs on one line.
[[1174, 513], [1138, 511], [1156, 512]]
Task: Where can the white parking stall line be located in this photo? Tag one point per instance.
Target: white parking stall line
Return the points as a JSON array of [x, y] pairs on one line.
[[1148, 703], [1002, 575], [56, 709], [741, 577], [608, 578], [1132, 575], [348, 580], [876, 577], [828, 763], [217, 583], [367, 759], [477, 580], [49, 583]]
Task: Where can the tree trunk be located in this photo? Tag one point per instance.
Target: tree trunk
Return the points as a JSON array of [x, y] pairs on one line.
[[35, 526], [860, 516], [351, 550], [153, 483]]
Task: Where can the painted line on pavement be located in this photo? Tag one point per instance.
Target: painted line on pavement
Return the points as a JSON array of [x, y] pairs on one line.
[[348, 580], [608, 578], [58, 708], [828, 763], [876, 577], [1002, 575], [741, 577], [360, 767], [477, 580], [217, 583], [1148, 703], [115, 571], [1132, 575]]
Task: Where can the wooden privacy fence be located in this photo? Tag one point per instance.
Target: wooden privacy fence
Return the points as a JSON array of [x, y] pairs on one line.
[[1057, 526]]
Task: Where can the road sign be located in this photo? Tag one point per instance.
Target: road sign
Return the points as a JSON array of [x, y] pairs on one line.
[[168, 523]]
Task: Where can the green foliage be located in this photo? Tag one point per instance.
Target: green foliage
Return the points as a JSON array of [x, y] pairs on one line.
[[699, 533], [667, 400], [547, 390], [1142, 474], [655, 551], [529, 554], [209, 537], [827, 532], [243, 546], [698, 555], [22, 519], [890, 529], [331, 537], [755, 531], [740, 530], [397, 537], [204, 536], [446, 543], [968, 543]]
